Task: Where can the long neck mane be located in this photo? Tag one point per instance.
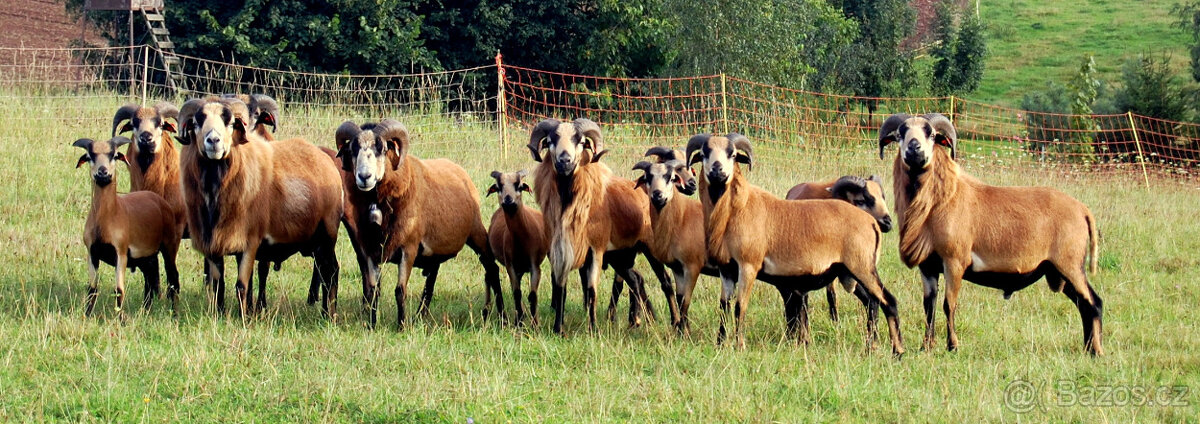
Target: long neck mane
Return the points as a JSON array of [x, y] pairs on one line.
[[567, 204], [918, 200], [718, 214], [149, 170]]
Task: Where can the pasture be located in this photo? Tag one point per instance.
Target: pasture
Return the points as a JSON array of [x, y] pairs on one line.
[[291, 364]]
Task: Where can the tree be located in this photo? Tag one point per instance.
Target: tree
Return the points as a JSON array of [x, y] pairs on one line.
[[946, 33], [961, 51], [1189, 21], [1150, 88], [875, 65]]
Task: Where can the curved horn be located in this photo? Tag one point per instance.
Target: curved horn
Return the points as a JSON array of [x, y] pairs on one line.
[[119, 141], [538, 136], [887, 132], [591, 137], [694, 144], [83, 143], [522, 173], [125, 112], [392, 131], [944, 132], [744, 154], [643, 166], [497, 175], [186, 112], [346, 132], [167, 110], [662, 154], [846, 184], [265, 110]]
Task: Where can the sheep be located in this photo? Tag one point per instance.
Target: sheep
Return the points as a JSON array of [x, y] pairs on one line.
[[256, 200], [153, 157], [518, 239], [429, 211], [797, 246], [866, 194], [262, 110], [1001, 237], [677, 223], [127, 230], [591, 218]]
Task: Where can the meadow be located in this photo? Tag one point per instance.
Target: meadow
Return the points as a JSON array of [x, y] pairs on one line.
[[1020, 359]]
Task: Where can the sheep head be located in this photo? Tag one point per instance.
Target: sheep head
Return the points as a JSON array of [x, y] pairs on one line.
[[663, 155], [865, 194], [215, 125], [509, 185], [569, 145], [718, 154], [917, 136], [102, 156], [371, 150], [263, 110], [660, 180], [146, 124]]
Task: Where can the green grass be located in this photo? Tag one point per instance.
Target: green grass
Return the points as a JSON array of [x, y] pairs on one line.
[[1035, 41], [292, 365]]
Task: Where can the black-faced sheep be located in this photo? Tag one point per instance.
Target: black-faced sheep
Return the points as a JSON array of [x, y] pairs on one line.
[[590, 217], [153, 157], [863, 193], [796, 245], [518, 238], [429, 209], [256, 200], [1001, 237], [128, 230]]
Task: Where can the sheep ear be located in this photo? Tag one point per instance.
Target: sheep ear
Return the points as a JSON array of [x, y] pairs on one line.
[[124, 128], [693, 147], [889, 131], [639, 182], [121, 157], [829, 189], [944, 132], [744, 154], [166, 126], [82, 160], [642, 166], [525, 187], [492, 189], [267, 118]]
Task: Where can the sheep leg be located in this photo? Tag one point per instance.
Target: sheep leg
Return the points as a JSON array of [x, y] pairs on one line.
[[618, 285], [1091, 309], [172, 278], [668, 289], [408, 256], [746, 279], [122, 262], [371, 291], [791, 317], [557, 299], [872, 308], [622, 263], [514, 279], [728, 284], [953, 273], [264, 270], [93, 285], [491, 273], [245, 280], [686, 281], [589, 278], [328, 269], [150, 275], [831, 297], [431, 274], [314, 284], [805, 336], [216, 283], [535, 277], [929, 278]]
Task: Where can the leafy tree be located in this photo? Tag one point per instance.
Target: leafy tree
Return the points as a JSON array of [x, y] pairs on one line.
[[875, 65], [1150, 88], [946, 33], [960, 54], [1189, 21]]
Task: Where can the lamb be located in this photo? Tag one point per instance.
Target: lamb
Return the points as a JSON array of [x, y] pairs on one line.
[[1001, 237], [256, 200], [128, 230], [797, 246], [153, 157], [429, 211], [865, 194], [590, 217], [517, 237], [677, 223]]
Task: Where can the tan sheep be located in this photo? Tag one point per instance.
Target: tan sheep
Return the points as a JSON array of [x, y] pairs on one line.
[[517, 237], [1001, 237]]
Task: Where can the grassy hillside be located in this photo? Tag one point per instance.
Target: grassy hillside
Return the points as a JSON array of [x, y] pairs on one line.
[[1033, 41], [289, 364]]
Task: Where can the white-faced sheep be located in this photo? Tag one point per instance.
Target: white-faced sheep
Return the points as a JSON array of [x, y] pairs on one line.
[[677, 223], [1001, 237], [429, 211], [517, 236], [590, 217], [256, 200], [128, 230], [796, 245], [153, 157], [863, 193]]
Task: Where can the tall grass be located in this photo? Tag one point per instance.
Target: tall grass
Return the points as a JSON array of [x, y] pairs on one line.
[[290, 364]]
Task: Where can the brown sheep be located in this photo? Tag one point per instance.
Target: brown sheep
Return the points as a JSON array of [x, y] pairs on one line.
[[127, 230], [256, 200], [863, 193], [797, 246], [1001, 237], [517, 236], [589, 216], [153, 157], [429, 211]]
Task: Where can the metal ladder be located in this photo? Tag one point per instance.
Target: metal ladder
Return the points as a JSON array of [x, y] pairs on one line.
[[157, 25]]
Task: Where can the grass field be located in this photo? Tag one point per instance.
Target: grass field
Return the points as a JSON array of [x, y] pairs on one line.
[[289, 364], [1032, 42]]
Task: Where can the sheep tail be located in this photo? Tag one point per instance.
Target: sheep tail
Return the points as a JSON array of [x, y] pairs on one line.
[[1093, 242]]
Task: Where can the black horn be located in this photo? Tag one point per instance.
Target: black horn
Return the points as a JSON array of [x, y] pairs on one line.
[[944, 132], [694, 144], [887, 132], [537, 137]]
